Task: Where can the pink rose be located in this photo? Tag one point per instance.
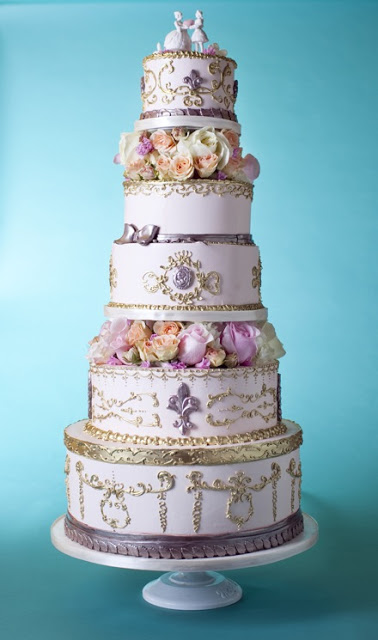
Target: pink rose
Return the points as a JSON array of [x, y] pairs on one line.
[[251, 167], [240, 338], [163, 164], [193, 343], [232, 137], [206, 165]]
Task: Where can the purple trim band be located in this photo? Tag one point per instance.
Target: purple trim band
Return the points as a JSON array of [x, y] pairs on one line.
[[210, 113], [180, 547]]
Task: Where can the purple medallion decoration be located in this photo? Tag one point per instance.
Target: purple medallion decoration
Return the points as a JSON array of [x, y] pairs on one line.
[[183, 404], [183, 278]]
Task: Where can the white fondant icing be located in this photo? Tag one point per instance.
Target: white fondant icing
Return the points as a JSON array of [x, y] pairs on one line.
[[144, 510], [195, 122]]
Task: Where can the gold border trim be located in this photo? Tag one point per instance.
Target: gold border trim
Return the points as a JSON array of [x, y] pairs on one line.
[[186, 54], [183, 374], [200, 187], [176, 457], [182, 307], [238, 438]]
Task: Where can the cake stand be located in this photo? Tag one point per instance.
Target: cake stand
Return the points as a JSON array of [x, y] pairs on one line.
[[190, 584]]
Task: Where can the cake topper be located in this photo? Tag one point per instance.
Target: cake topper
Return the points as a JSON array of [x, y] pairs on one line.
[[178, 39], [199, 37]]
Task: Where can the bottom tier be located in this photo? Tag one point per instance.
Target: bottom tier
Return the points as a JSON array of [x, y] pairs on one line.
[[182, 503]]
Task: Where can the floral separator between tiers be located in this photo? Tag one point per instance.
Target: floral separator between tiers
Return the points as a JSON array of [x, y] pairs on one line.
[[181, 547]]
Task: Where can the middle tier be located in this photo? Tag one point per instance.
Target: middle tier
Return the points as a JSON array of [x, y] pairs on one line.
[[186, 277]]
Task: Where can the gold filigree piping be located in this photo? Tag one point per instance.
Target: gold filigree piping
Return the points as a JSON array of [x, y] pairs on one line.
[[240, 488], [202, 187], [244, 398], [159, 373], [177, 457], [158, 55], [196, 307], [207, 441], [209, 282], [296, 474], [67, 470], [113, 274], [107, 408]]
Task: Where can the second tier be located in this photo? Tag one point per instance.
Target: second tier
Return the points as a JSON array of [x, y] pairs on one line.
[[186, 277], [186, 406]]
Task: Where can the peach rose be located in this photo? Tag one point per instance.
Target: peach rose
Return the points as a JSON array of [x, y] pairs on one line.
[[138, 331], [167, 328], [216, 357], [232, 137], [165, 347], [206, 165], [163, 164], [162, 141], [234, 164], [179, 132], [182, 167]]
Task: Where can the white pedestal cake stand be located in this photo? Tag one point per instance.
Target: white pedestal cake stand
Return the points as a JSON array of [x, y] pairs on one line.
[[190, 584]]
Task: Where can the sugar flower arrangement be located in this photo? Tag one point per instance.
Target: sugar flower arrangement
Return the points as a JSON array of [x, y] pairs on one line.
[[178, 345], [178, 154]]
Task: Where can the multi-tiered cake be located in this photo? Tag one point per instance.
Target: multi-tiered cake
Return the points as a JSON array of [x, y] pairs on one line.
[[185, 453]]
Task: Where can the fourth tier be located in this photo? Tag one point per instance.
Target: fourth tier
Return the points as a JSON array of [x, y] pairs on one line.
[[183, 278]]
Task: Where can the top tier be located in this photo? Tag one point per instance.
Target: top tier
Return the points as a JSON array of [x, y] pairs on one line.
[[184, 87]]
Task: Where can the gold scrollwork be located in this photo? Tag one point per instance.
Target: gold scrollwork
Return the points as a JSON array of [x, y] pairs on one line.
[[67, 470], [201, 187], [191, 374], [295, 474], [204, 281], [185, 456], [237, 438], [113, 274], [181, 307], [105, 409], [114, 494], [240, 489], [245, 399], [193, 55], [220, 90], [256, 275]]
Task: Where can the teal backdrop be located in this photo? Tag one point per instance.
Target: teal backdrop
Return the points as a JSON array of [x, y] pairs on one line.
[[308, 105]]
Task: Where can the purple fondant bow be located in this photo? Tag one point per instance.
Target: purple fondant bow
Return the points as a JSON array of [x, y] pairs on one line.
[[144, 236]]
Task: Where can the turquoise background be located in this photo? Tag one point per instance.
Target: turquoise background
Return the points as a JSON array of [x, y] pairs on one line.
[[308, 104]]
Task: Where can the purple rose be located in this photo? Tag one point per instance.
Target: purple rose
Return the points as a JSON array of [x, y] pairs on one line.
[[193, 341], [240, 338], [251, 167], [144, 147]]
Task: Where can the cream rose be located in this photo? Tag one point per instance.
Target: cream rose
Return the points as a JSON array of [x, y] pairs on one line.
[[206, 165], [167, 328], [133, 169], [165, 347], [163, 141], [216, 357], [232, 137], [163, 164], [147, 172], [146, 350], [182, 167], [268, 345], [207, 140], [138, 331], [127, 146]]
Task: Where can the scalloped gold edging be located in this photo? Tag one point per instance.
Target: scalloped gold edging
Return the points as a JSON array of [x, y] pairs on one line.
[[182, 307], [200, 187], [176, 457], [237, 438], [186, 54], [191, 374]]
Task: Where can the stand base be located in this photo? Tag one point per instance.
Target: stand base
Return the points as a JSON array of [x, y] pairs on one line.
[[192, 591], [193, 585]]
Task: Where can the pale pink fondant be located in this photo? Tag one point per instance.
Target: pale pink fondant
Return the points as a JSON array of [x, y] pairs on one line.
[[136, 264], [144, 510], [119, 383], [192, 214]]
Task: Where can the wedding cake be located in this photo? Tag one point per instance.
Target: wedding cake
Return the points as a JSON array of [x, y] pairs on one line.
[[185, 453]]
